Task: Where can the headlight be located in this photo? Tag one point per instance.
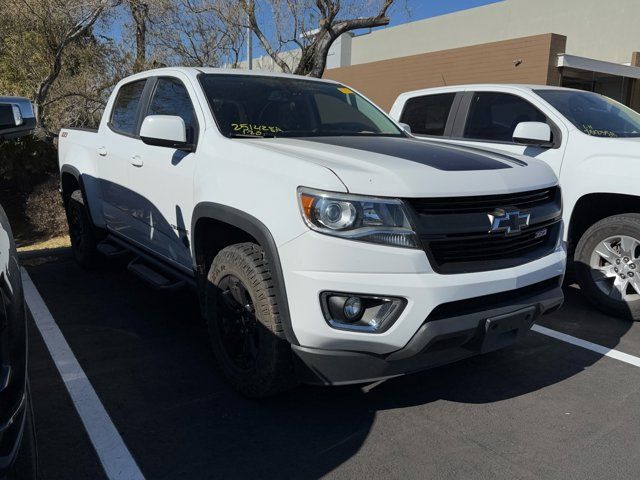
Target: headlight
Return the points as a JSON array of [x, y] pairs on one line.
[[368, 219]]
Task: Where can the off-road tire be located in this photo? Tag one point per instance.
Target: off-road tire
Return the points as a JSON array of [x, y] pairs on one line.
[[626, 224], [273, 371], [82, 233]]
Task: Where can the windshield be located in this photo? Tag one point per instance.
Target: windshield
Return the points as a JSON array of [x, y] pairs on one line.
[[594, 114], [255, 106]]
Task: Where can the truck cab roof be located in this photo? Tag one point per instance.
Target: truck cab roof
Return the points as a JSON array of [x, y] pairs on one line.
[[480, 87], [195, 71]]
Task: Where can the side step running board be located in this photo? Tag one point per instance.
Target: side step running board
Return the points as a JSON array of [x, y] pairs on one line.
[[153, 277]]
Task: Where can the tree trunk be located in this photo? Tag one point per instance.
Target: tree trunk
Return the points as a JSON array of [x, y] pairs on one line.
[[313, 59], [140, 14]]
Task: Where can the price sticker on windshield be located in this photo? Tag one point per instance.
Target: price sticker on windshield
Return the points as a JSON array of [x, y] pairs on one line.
[[345, 90], [254, 130]]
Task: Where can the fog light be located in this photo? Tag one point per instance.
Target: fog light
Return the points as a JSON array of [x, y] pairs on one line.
[[352, 308], [361, 313]]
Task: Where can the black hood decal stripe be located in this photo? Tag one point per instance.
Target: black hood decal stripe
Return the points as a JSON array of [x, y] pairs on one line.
[[441, 157]]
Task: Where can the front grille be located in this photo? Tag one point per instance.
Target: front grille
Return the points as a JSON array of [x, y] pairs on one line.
[[455, 231], [485, 203], [491, 252]]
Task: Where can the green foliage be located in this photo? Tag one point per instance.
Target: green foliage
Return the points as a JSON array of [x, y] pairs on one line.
[[31, 32]]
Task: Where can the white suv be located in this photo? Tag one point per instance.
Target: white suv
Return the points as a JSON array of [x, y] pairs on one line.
[[590, 141], [326, 245]]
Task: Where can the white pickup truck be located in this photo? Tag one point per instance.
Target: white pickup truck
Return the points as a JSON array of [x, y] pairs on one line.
[[326, 245], [590, 141]]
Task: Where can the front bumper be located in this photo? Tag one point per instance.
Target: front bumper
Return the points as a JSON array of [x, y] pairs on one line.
[[313, 263], [481, 325]]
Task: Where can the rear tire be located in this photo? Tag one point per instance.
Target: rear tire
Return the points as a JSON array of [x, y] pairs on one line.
[[82, 233], [607, 265], [244, 323]]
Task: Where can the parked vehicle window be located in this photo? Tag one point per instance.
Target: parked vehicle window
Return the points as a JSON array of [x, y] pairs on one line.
[[256, 106], [494, 116], [340, 110], [428, 115], [124, 115], [170, 97], [594, 114]]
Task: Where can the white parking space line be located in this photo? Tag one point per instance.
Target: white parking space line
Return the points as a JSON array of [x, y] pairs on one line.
[[594, 347], [116, 459]]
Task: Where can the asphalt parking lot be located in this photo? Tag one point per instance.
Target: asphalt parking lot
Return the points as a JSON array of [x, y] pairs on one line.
[[542, 409]]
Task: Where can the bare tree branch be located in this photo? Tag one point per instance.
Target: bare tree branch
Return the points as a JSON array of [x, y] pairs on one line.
[[81, 27], [292, 27], [249, 7]]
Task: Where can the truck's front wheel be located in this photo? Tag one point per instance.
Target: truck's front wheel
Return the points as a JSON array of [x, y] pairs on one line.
[[81, 233], [607, 266], [244, 322]]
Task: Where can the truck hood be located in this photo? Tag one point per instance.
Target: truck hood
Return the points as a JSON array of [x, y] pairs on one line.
[[392, 166]]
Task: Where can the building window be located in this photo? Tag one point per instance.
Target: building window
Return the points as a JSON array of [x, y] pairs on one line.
[[618, 88], [428, 115], [495, 116]]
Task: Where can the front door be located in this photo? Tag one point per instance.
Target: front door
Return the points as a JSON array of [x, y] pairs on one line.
[[162, 178], [492, 118]]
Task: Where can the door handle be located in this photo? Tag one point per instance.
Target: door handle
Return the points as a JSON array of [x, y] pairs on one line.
[[136, 161], [102, 151]]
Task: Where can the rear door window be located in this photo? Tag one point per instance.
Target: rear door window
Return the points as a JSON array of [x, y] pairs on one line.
[[124, 115], [428, 115], [494, 116]]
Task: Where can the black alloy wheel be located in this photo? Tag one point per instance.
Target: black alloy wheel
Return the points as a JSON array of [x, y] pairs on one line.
[[238, 324]]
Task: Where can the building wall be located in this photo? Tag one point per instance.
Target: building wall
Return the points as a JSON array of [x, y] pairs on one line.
[[594, 28], [494, 62]]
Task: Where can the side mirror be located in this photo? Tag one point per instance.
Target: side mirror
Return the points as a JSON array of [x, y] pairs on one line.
[[165, 131], [405, 126], [533, 134]]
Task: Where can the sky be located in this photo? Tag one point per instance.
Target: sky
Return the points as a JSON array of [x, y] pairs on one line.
[[417, 10], [421, 9]]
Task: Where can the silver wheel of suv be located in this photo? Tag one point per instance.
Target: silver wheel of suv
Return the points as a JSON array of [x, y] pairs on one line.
[[607, 265], [614, 267]]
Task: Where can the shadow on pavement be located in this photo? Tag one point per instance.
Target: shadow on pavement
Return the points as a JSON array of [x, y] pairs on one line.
[[148, 358]]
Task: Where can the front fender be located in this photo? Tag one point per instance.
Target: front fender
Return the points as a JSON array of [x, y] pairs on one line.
[[261, 233]]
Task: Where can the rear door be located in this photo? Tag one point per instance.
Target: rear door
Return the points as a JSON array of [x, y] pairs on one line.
[[489, 118], [116, 142]]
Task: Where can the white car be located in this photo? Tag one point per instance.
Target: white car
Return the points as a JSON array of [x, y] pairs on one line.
[[326, 245], [590, 141]]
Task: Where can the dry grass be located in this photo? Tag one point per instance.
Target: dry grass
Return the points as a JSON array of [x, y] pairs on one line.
[[44, 211], [61, 241]]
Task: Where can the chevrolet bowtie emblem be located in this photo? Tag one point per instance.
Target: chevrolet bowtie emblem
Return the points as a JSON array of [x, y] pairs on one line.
[[508, 221]]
